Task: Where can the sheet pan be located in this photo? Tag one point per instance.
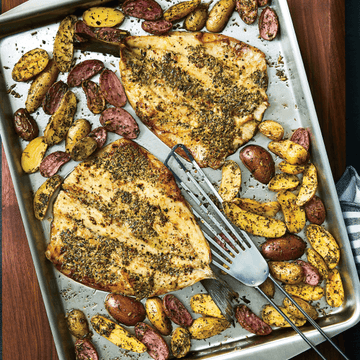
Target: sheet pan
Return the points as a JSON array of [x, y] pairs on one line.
[[291, 105]]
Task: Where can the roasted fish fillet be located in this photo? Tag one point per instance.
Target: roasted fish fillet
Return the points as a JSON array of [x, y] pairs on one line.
[[121, 225], [206, 91]]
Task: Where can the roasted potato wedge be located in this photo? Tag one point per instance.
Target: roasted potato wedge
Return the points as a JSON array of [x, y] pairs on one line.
[[60, 122], [254, 224], [293, 310], [305, 292], [288, 273], [324, 244], [180, 10], [83, 148], [271, 129], [309, 185], [317, 261], [311, 273], [33, 154], [273, 318], [63, 45], [103, 17], [334, 289], [180, 342], [84, 349], [315, 210], [294, 215], [25, 125], [116, 334], [40, 86], [206, 327], [230, 180], [143, 9], [30, 64], [203, 304], [268, 287], [251, 322], [268, 209], [291, 169], [282, 182], [268, 24], [196, 20], [176, 311], [51, 164], [290, 151], [219, 15], [77, 131], [77, 324], [43, 195], [156, 314]]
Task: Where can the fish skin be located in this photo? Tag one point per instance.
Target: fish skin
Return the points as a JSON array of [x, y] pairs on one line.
[[121, 225], [206, 91]]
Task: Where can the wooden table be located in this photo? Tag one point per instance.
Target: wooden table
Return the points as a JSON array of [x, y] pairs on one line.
[[320, 28]]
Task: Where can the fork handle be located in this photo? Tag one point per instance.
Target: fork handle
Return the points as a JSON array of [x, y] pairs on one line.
[[311, 321], [290, 322]]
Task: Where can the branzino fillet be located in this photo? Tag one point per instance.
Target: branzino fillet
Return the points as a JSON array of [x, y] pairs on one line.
[[206, 91], [121, 225]]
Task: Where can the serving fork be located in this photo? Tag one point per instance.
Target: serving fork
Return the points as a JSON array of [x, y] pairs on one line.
[[237, 256]]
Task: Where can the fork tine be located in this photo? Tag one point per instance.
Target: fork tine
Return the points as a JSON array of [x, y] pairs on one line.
[[226, 257]]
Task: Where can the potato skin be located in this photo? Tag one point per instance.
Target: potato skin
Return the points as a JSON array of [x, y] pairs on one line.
[[95, 99], [334, 289], [250, 322], [25, 125], [53, 97], [124, 309], [30, 64], [219, 15], [112, 88], [33, 154], [305, 291], [291, 169], [158, 27], [288, 273], [51, 164], [318, 262], [292, 309], [180, 342], [288, 247], [77, 131], [268, 24], [180, 10], [312, 276], [143, 9], [315, 210], [206, 327], [99, 135], [271, 129], [40, 86], [309, 185], [83, 149], [247, 10], [301, 136], [77, 323], [157, 316], [103, 17], [176, 311], [196, 20], [273, 318], [259, 162], [83, 71], [85, 350]]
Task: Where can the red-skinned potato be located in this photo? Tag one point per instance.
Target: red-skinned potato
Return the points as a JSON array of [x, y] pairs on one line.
[[288, 247], [247, 10], [124, 309], [83, 71], [251, 322], [99, 135], [259, 162], [82, 29], [156, 345], [176, 311], [53, 97], [263, 2], [143, 9], [268, 24], [95, 99], [111, 35], [112, 88], [25, 125], [301, 136], [85, 350], [158, 27], [311, 273], [119, 121], [51, 164], [315, 210]]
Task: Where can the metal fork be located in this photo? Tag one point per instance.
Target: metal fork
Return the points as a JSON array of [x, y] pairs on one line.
[[238, 256]]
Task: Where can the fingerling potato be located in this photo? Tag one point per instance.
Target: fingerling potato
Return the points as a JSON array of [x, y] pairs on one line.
[[309, 185], [103, 17], [290, 151], [305, 292], [288, 273], [112, 88], [230, 180], [324, 244], [206, 327], [273, 318], [302, 137], [282, 182], [157, 27], [84, 349], [315, 210], [33, 154], [271, 129], [251, 322], [176, 311], [334, 289], [293, 310], [219, 15], [317, 261], [268, 24], [116, 334], [247, 10], [77, 323], [77, 131], [83, 149], [143, 9], [51, 164], [180, 342], [203, 304], [196, 20], [53, 97], [268, 209], [25, 125], [311, 273], [268, 287], [180, 10], [94, 97], [291, 169], [83, 71], [157, 316]]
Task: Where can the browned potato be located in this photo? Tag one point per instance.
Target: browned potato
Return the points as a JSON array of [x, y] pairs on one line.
[[77, 323], [143, 9], [30, 64], [63, 45], [77, 131], [157, 27], [83, 71], [95, 99], [230, 180], [288, 273], [83, 149], [196, 20], [250, 322], [40, 86], [334, 289], [309, 185], [311, 273], [317, 261], [259, 162], [203, 304], [292, 309], [271, 129], [281, 182], [84, 349], [51, 164], [268, 209], [33, 154], [103, 17], [254, 224], [25, 125], [247, 10], [176, 311], [315, 210], [291, 169], [206, 327], [294, 215], [268, 287], [180, 10], [180, 342], [219, 15], [273, 318], [290, 151], [324, 244], [60, 122], [43, 195], [268, 24], [156, 314], [305, 292], [302, 137]]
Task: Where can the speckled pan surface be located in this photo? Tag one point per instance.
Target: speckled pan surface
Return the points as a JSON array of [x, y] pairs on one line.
[[291, 105]]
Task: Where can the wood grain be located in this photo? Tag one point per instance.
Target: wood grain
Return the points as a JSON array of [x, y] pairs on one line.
[[320, 28]]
